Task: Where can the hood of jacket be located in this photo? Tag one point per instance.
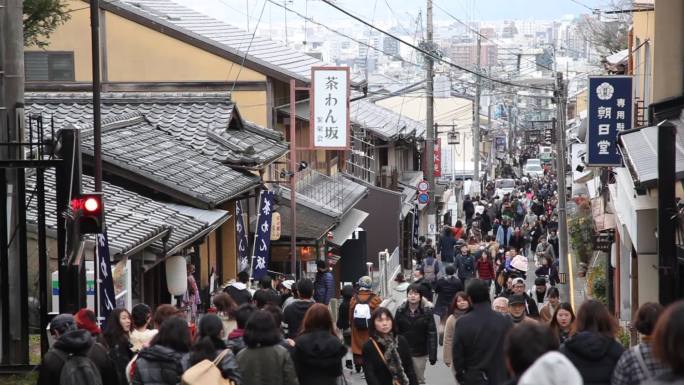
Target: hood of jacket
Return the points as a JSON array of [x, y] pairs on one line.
[[591, 346], [76, 342], [320, 348], [301, 306], [160, 353], [239, 285], [552, 368]]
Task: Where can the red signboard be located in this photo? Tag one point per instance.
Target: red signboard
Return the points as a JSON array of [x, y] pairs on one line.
[[438, 157]]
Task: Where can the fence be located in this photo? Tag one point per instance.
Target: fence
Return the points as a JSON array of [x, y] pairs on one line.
[[390, 265]]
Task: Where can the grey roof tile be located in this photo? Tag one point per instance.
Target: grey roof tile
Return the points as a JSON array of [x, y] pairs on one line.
[[641, 150], [190, 117], [263, 52], [132, 219]]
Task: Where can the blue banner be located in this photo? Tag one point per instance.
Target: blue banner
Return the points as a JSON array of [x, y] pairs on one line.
[[262, 235], [609, 112], [416, 224], [241, 233], [106, 297]]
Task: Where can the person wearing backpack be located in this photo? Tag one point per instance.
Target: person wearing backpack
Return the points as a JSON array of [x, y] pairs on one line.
[[465, 264], [210, 345], [430, 268], [361, 307], [160, 363], [74, 358]]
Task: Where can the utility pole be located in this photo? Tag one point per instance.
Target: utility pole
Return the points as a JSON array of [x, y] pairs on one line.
[[476, 120], [561, 95], [13, 88], [430, 122], [97, 115]]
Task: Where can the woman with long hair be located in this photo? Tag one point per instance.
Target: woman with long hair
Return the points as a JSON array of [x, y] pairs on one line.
[[593, 349], [209, 345], [386, 355], [563, 322], [117, 335], [318, 351], [264, 361], [459, 307], [226, 307], [159, 364]]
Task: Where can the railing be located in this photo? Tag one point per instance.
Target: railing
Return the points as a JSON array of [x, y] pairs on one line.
[[390, 265]]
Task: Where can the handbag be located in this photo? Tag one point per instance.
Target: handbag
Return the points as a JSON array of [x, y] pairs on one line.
[[382, 356], [206, 372]]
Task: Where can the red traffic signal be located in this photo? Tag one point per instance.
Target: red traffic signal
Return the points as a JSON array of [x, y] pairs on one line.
[[88, 211]]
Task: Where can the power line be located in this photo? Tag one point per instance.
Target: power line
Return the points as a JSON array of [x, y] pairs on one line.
[[244, 57], [428, 54], [585, 6]]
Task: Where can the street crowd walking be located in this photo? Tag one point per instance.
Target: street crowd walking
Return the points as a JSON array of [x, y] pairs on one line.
[[468, 301]]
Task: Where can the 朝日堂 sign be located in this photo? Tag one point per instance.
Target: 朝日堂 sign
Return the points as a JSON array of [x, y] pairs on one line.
[[330, 108], [609, 112]]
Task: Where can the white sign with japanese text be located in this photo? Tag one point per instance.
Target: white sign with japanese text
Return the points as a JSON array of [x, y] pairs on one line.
[[330, 109]]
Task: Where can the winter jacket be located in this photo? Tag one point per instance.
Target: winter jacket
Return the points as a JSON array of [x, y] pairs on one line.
[[446, 288], [446, 247], [77, 342], [324, 287], [449, 328], [238, 292], [468, 208], [485, 269], [376, 370], [317, 358], [594, 355], [236, 340], [477, 345], [268, 365], [359, 336], [158, 365], [465, 265], [343, 314], [517, 241], [121, 354], [293, 316], [419, 330], [546, 313], [228, 366], [503, 235], [548, 271]]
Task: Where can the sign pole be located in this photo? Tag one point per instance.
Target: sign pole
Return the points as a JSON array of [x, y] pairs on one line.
[[563, 261], [293, 179]]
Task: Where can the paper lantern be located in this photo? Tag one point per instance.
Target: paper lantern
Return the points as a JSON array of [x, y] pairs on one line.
[[176, 275]]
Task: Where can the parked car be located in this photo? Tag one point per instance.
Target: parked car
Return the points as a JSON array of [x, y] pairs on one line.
[[533, 170]]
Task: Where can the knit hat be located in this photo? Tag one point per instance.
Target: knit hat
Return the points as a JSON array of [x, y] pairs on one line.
[[552, 368], [63, 323], [365, 282], [84, 321], [516, 299]]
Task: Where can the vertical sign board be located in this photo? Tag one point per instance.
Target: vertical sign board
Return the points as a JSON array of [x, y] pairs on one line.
[[105, 280], [330, 108], [241, 234], [610, 111], [437, 153], [262, 238], [416, 227]]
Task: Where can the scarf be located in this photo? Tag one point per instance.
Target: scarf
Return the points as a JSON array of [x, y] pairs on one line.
[[391, 354]]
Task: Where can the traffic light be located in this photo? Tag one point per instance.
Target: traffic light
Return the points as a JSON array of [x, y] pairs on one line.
[[88, 212]]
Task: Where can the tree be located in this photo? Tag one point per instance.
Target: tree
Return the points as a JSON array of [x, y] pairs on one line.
[[41, 18], [607, 33]]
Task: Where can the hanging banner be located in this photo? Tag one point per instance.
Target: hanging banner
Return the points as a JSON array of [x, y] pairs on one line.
[[437, 153], [106, 298], [262, 236], [276, 228], [241, 234], [416, 224], [609, 112], [330, 109]]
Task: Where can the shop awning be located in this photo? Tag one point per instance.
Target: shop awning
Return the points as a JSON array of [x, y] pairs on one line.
[[350, 222]]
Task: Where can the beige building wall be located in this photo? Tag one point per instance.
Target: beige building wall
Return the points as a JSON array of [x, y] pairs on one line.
[[643, 30], [668, 50]]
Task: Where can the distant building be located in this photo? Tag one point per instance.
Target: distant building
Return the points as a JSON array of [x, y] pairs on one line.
[[465, 54]]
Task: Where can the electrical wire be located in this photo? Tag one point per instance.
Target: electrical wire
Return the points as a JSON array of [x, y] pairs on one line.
[[244, 57], [428, 54]]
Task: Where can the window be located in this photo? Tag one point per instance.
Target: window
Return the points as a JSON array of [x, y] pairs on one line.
[[49, 66]]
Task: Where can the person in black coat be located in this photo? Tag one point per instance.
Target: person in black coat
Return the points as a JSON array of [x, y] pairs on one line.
[[468, 209], [318, 352], [446, 245], [71, 340], [238, 290], [593, 349], [266, 294], [425, 286], [417, 324], [384, 342], [160, 363], [446, 288], [294, 312], [476, 351]]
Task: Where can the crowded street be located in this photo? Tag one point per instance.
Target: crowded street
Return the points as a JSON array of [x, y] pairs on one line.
[[342, 192]]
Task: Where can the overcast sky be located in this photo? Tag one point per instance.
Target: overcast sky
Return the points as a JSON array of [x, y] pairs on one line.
[[236, 11]]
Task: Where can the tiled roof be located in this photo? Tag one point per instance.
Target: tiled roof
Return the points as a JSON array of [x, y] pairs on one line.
[[209, 122], [131, 218], [311, 224], [132, 148], [382, 122], [262, 52]]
